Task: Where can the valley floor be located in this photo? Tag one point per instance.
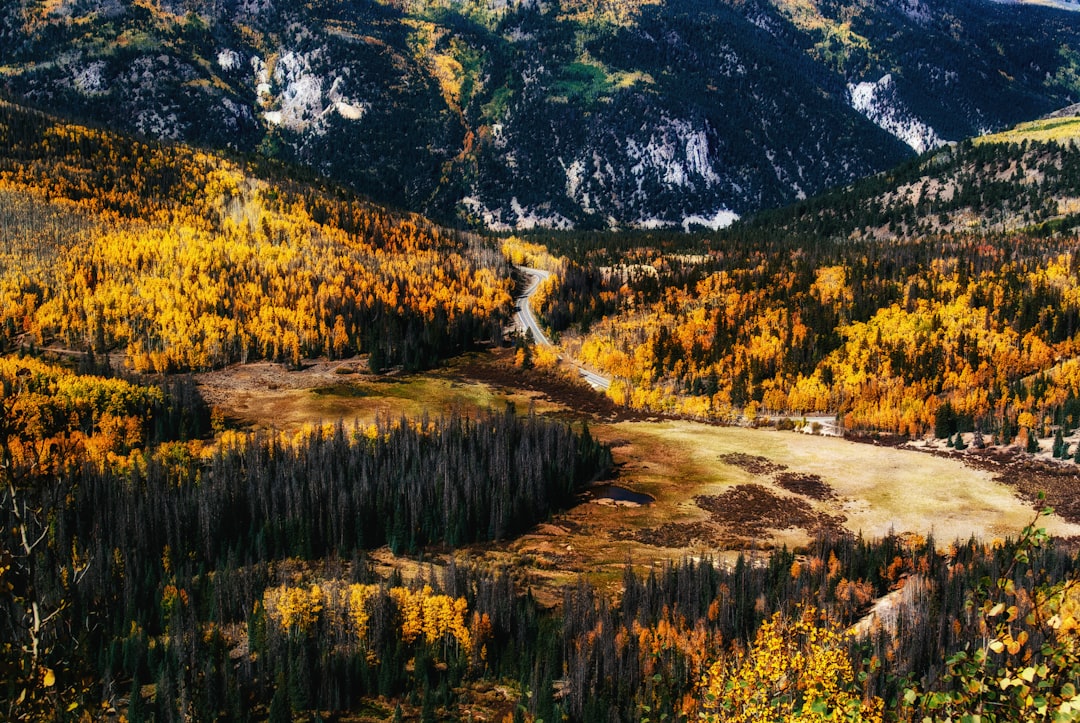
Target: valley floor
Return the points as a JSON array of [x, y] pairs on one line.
[[716, 490]]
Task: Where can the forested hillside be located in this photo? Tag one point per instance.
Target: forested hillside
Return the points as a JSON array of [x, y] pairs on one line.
[[941, 296], [555, 114], [1023, 180], [142, 555], [183, 260]]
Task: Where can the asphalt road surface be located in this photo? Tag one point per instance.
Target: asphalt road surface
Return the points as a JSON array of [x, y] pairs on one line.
[[527, 320]]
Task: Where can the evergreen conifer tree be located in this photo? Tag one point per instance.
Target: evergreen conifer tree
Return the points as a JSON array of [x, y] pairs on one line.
[[280, 707], [944, 421]]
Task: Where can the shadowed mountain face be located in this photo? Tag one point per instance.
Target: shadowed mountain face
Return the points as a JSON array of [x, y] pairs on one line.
[[574, 114]]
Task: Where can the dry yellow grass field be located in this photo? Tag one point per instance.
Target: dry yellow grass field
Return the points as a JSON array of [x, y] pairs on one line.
[[877, 491], [266, 395], [881, 489]]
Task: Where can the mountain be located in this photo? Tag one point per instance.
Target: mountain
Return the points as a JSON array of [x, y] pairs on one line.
[[581, 113], [165, 563]]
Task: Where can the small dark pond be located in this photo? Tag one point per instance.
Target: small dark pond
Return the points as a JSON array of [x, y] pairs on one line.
[[618, 494]]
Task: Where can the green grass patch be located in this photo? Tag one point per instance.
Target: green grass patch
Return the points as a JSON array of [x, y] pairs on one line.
[[584, 81], [372, 710], [412, 396], [589, 81], [350, 391], [495, 109], [264, 395]]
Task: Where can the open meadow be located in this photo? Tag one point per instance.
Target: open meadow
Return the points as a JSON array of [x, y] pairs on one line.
[[716, 491]]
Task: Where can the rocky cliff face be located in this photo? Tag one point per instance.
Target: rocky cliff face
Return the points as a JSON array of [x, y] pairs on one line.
[[574, 114]]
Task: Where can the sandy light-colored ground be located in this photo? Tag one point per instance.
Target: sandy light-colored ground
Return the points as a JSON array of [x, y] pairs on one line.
[[881, 489], [875, 491], [905, 490]]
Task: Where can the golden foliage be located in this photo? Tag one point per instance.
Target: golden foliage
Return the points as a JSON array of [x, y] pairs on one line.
[[610, 12], [795, 670], [752, 336], [436, 620], [525, 253], [61, 418], [356, 599], [191, 263], [435, 617], [295, 609]]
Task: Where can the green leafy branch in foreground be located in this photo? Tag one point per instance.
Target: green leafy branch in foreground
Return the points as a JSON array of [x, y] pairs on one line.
[[1027, 667]]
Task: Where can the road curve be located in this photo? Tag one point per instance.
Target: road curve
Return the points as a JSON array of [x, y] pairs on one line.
[[527, 320], [524, 313]]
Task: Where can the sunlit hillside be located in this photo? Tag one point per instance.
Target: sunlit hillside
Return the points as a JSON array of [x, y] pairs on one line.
[[180, 259], [1058, 129]]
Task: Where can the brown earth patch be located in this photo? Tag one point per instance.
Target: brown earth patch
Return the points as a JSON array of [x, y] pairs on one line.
[[674, 535], [807, 485], [1058, 481], [878, 439], [751, 509], [752, 463], [496, 368]]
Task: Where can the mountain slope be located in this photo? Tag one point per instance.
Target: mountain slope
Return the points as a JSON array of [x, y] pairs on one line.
[[1026, 179], [533, 114], [180, 259]]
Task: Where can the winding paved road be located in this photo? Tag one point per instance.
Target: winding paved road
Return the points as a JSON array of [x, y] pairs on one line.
[[527, 320]]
